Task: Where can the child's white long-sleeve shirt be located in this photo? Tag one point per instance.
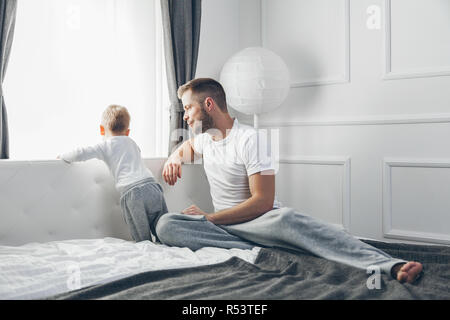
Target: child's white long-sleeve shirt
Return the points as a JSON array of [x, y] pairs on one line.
[[122, 156]]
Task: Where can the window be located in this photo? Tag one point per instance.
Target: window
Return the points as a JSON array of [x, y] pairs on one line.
[[71, 59]]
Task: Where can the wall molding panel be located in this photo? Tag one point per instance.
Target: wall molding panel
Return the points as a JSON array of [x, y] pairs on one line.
[[334, 79], [388, 74], [362, 121], [395, 233], [345, 163]]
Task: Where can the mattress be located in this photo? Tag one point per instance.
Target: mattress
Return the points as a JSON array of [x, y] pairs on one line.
[[39, 270]]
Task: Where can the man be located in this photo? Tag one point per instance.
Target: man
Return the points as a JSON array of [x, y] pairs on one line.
[[243, 193]]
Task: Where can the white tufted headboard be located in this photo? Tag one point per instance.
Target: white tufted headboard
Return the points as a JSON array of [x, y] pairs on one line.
[[50, 200]]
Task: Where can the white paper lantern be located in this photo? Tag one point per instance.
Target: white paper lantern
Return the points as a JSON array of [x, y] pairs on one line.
[[255, 80]]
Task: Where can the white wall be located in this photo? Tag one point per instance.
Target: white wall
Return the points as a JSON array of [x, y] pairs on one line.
[[227, 27], [365, 130]]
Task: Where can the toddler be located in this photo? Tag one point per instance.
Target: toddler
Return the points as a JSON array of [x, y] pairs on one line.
[[142, 200]]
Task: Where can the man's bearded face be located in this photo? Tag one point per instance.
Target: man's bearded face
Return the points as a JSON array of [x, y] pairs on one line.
[[206, 120]]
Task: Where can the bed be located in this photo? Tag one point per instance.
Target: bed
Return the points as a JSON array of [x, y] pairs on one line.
[[62, 237], [41, 270]]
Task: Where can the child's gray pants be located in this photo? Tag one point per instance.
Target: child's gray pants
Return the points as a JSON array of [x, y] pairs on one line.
[[142, 205], [280, 227]]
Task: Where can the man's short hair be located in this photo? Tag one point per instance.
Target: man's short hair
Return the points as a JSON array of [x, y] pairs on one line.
[[116, 118], [203, 88]]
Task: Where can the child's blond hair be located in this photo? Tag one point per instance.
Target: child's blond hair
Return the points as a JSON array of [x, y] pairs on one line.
[[116, 119]]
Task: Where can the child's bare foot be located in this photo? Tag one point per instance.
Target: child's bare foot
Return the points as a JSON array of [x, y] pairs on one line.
[[408, 272]]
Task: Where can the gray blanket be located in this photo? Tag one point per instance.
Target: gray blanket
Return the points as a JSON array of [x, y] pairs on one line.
[[281, 274]]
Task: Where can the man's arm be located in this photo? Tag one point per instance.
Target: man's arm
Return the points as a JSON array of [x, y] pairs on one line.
[[262, 189], [183, 154]]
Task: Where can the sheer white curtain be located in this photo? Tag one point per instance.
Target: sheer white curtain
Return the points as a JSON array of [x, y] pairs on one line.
[[71, 59]]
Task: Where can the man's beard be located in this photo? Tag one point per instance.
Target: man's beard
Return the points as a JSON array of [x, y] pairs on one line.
[[206, 122]]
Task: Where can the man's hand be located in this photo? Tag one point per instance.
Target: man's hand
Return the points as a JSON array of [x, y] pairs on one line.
[[172, 170], [262, 189], [194, 210], [172, 167]]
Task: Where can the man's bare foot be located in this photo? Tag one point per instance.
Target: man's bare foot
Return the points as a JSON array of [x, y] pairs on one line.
[[408, 272]]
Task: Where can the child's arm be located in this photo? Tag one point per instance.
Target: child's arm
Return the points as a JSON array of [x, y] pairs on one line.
[[83, 154]]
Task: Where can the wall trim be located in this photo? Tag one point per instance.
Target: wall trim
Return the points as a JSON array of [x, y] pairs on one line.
[[388, 231], [342, 78], [362, 121], [388, 74], [346, 181]]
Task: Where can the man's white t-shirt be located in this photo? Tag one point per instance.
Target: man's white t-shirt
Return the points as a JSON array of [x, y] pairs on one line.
[[229, 162], [122, 156]]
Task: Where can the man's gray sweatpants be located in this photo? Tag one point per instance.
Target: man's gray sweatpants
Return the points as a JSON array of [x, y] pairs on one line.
[[280, 227], [142, 205]]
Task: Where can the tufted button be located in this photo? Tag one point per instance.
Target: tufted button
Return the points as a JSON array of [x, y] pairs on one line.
[[51, 186], [98, 180], [27, 212], [76, 205]]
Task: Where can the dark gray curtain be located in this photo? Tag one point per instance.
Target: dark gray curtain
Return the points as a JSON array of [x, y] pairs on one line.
[[7, 22], [181, 24]]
